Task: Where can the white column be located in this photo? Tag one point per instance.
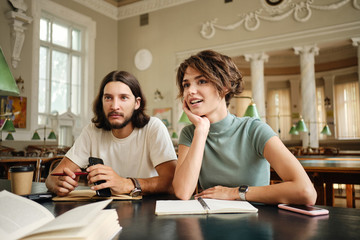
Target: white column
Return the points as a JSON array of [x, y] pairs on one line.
[[356, 43], [308, 93], [257, 80]]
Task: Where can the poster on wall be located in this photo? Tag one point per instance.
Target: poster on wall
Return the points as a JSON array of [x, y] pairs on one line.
[[13, 108], [164, 114]]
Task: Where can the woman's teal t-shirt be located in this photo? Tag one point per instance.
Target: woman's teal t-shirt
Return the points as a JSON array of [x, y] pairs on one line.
[[233, 153]]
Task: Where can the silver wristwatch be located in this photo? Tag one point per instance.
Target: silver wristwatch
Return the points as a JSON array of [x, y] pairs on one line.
[[137, 190], [243, 189]]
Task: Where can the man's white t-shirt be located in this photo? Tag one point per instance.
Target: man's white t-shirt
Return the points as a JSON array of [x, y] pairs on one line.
[[134, 156]]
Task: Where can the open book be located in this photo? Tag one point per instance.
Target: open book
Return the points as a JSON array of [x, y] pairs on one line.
[[26, 219], [89, 195], [202, 206]]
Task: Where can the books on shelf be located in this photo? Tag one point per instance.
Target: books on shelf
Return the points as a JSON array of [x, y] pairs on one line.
[[202, 206], [22, 218], [90, 195]]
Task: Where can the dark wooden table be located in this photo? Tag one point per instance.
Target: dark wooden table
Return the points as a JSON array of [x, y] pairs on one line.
[[139, 221], [324, 171]]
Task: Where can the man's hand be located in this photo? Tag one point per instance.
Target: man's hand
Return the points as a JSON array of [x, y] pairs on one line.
[[63, 185], [117, 184]]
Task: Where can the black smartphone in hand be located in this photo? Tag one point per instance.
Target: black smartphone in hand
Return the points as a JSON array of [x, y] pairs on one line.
[[105, 192]]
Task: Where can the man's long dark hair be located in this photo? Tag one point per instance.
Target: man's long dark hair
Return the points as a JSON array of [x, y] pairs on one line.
[[139, 119]]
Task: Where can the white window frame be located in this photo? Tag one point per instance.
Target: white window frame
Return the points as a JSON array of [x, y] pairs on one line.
[[51, 47], [89, 36]]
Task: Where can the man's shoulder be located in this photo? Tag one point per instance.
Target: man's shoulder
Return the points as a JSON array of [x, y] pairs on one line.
[[154, 122]]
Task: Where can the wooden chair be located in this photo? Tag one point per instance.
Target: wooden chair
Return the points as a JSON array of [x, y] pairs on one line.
[[48, 165], [54, 163], [331, 151]]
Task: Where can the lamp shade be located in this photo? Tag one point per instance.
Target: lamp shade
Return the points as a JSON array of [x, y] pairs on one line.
[[326, 130], [8, 126], [52, 135], [301, 126], [251, 111], [36, 136], [9, 136], [8, 85], [184, 119], [174, 135], [293, 130]]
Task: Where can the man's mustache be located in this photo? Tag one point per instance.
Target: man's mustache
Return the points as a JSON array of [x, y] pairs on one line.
[[115, 114]]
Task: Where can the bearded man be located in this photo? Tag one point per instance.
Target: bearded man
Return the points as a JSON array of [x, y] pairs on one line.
[[137, 150]]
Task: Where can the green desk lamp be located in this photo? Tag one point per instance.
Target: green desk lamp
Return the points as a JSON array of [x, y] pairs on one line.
[[8, 85], [251, 110], [326, 130]]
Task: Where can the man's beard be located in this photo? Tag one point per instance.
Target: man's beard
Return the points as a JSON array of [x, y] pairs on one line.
[[120, 125]]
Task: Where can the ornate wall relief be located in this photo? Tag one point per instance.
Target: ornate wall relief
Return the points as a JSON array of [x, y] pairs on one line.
[[274, 10], [18, 20]]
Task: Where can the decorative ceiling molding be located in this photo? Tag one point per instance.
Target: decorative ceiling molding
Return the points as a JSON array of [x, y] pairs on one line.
[[302, 12], [102, 7], [130, 10]]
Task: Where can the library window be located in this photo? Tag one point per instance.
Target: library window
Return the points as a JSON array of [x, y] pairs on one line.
[[60, 68], [278, 112], [347, 107], [320, 110]]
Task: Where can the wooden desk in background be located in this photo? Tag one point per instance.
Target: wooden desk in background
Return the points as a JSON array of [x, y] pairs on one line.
[[37, 162], [324, 171]]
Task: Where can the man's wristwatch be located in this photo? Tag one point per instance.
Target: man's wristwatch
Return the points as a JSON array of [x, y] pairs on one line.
[[137, 190], [243, 189]]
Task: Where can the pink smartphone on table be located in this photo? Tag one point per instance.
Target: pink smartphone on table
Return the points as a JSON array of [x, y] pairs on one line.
[[304, 209]]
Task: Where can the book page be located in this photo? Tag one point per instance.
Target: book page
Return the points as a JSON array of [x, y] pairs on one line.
[[165, 207], [229, 206], [104, 226], [19, 215], [75, 218]]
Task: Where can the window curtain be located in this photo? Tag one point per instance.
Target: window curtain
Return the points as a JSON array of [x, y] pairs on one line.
[[347, 106], [278, 112], [320, 108]]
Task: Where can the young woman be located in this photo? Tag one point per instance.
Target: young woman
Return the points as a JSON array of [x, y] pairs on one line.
[[228, 156]]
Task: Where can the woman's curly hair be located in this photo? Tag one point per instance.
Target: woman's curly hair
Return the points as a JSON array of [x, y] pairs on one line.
[[219, 69]]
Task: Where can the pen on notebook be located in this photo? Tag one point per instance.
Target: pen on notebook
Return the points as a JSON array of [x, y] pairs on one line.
[[203, 203], [76, 174]]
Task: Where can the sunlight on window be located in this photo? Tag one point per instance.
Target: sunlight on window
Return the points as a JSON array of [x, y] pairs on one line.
[[60, 35], [44, 30], [347, 105], [60, 68]]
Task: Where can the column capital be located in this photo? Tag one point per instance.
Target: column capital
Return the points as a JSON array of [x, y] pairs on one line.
[[256, 56], [313, 49], [355, 41]]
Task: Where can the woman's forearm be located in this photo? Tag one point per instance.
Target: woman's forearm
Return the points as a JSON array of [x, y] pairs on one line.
[[188, 168]]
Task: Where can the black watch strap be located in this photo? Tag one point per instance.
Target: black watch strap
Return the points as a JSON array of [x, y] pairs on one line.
[[135, 182]]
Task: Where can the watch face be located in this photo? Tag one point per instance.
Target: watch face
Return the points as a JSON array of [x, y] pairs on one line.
[[136, 192], [243, 188]]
